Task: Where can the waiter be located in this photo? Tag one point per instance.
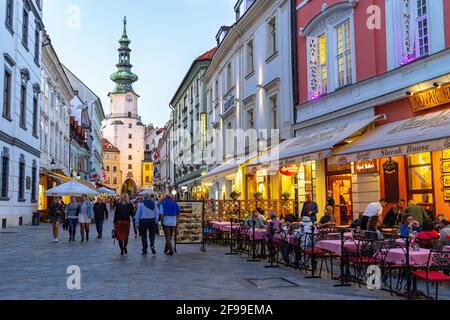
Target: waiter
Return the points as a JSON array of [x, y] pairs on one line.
[[373, 209]]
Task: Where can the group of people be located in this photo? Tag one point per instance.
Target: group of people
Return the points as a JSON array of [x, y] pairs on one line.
[[410, 219], [143, 214]]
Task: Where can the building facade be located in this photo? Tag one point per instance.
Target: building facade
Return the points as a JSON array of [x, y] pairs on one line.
[[79, 151], [249, 100], [112, 176], [166, 165], [189, 122], [21, 39], [88, 111], [123, 126], [57, 94]]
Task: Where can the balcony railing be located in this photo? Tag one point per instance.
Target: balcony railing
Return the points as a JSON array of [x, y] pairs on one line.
[[123, 115]]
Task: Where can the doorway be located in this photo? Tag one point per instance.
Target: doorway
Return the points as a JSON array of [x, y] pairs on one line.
[[342, 195]]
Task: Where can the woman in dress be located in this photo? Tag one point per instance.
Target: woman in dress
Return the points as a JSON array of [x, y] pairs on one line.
[[72, 210], [54, 216], [122, 217], [85, 216]]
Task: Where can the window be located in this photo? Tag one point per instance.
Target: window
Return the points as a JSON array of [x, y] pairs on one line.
[[37, 37], [273, 112], [147, 179], [107, 157], [107, 168], [35, 116], [250, 119], [4, 174], [33, 182], [23, 106], [420, 178], [129, 114], [130, 157], [323, 63], [22, 180], [7, 94], [216, 92], [250, 57], [229, 77], [344, 54], [147, 147], [422, 28], [271, 37], [130, 126], [25, 18], [114, 169], [114, 180], [130, 146], [197, 87], [130, 136], [130, 167], [9, 14], [147, 167]]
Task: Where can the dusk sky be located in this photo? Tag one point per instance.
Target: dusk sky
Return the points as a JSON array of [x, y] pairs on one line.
[[166, 35]]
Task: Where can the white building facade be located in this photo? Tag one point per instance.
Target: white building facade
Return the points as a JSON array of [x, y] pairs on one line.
[[249, 89], [20, 46]]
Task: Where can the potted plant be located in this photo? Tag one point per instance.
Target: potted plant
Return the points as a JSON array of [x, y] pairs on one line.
[[258, 195], [235, 195], [286, 195]]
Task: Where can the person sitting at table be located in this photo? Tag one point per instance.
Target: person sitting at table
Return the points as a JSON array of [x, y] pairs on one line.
[[305, 231], [436, 223], [328, 220], [273, 219], [257, 218], [409, 225], [417, 212], [428, 232], [444, 227], [394, 216], [374, 229]]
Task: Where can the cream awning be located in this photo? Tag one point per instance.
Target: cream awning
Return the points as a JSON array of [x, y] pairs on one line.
[[425, 133]]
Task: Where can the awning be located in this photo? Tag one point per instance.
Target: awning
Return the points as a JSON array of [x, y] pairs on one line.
[[227, 168], [425, 133], [310, 145]]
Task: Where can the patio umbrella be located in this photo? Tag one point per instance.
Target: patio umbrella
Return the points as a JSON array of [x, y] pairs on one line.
[[107, 191], [71, 189]]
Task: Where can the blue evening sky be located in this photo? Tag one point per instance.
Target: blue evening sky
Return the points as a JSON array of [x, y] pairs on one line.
[[166, 35]]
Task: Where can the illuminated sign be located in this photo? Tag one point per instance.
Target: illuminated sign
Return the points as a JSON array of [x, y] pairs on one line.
[[369, 166], [290, 170], [430, 99]]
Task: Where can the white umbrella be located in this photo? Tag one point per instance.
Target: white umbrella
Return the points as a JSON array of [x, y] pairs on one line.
[[107, 191], [147, 190], [71, 189]]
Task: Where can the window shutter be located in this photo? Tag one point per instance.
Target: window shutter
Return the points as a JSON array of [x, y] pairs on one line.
[[313, 67]]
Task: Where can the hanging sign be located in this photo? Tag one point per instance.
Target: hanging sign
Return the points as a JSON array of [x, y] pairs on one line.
[[313, 66], [430, 99], [407, 30], [289, 171]]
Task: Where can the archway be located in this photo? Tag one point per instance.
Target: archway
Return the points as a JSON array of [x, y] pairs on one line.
[[130, 187]]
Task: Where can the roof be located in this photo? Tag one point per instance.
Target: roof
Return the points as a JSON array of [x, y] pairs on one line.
[[108, 146], [207, 56]]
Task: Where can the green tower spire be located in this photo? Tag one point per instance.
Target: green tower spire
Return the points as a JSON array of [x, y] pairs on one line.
[[123, 77]]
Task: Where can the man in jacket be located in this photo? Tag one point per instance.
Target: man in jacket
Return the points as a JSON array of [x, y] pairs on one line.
[[146, 219], [100, 212], [310, 209]]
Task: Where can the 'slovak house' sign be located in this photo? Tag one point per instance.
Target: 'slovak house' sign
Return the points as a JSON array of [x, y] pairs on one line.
[[430, 99]]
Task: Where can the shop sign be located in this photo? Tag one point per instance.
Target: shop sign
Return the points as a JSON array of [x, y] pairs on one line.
[[407, 30], [430, 99], [313, 67], [368, 166], [289, 171]]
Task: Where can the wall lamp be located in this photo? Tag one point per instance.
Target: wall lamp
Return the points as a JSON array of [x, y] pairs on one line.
[[437, 85]]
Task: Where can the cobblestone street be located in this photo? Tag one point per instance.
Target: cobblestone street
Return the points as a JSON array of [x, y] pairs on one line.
[[35, 268]]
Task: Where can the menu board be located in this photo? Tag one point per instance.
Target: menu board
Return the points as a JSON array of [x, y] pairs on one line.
[[190, 223]]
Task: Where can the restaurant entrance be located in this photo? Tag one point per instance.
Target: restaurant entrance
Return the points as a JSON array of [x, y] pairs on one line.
[[341, 186]]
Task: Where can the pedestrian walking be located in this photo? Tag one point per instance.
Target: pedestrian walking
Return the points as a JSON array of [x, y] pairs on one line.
[[55, 214], [170, 213], [85, 217], [72, 211], [122, 217], [146, 220], [100, 214]]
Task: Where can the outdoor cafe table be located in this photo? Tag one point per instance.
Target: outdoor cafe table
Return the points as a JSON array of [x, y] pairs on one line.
[[228, 227], [335, 246], [260, 234], [219, 225], [416, 258]]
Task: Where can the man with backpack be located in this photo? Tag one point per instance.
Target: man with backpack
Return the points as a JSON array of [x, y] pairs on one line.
[[146, 219]]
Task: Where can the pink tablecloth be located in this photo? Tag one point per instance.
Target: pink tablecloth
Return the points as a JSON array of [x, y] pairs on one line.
[[219, 225], [416, 258], [260, 234], [335, 246], [228, 227], [447, 248], [288, 237]]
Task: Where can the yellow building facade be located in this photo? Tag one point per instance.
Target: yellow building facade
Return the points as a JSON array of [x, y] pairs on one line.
[[147, 174], [111, 166]]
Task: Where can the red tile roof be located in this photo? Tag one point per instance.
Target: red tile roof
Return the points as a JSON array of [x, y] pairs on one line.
[[207, 55], [106, 148]]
